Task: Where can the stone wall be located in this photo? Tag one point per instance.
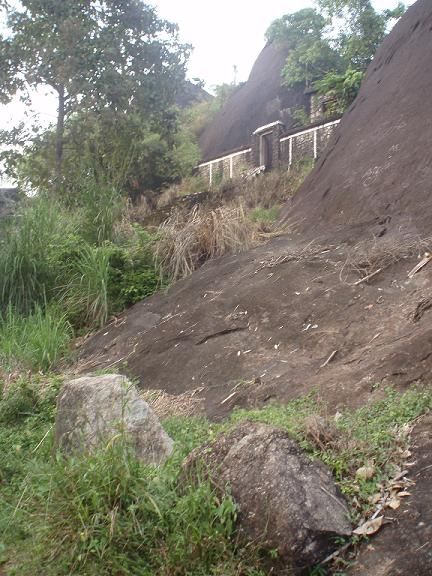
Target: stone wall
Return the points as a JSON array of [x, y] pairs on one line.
[[226, 167], [286, 150]]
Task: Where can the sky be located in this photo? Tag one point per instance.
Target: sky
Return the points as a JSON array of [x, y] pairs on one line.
[[229, 33], [224, 33]]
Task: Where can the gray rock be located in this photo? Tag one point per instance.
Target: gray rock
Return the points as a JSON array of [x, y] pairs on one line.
[[93, 409], [287, 501], [9, 198]]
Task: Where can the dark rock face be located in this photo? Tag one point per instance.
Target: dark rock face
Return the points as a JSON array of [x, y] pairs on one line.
[[93, 409], [259, 101], [285, 499], [378, 168], [190, 94], [9, 198]]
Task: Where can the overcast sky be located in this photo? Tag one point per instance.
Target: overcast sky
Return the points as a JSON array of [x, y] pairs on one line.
[[228, 33], [224, 34]]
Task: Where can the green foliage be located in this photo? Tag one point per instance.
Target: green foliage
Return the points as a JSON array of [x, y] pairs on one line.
[[34, 342], [85, 296], [310, 53], [115, 68], [129, 152], [332, 45], [77, 257], [264, 215], [196, 118], [358, 29], [107, 513], [340, 89]]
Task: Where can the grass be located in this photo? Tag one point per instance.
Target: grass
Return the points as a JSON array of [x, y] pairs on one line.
[[186, 241], [85, 296], [264, 216], [372, 435], [27, 271], [108, 514], [34, 342]]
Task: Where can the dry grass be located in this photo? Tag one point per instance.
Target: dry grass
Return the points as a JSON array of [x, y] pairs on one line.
[[187, 240], [165, 405], [272, 189], [369, 256]]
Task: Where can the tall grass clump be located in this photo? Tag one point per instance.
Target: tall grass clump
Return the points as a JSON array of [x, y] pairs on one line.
[[102, 207], [85, 294], [34, 342], [108, 514], [28, 252], [186, 241]]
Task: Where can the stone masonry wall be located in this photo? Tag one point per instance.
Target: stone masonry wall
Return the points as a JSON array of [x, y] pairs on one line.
[[297, 147]]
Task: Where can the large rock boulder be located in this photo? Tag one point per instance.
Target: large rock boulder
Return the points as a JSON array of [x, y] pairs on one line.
[[93, 409], [287, 501]]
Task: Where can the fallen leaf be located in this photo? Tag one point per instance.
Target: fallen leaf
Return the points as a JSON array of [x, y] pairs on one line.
[[365, 472], [375, 498], [369, 527], [393, 503], [402, 494]]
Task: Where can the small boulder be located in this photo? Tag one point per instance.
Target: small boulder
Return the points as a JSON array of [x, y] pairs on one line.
[[287, 501], [91, 410]]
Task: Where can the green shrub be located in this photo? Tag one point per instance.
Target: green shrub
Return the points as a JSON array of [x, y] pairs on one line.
[[36, 341]]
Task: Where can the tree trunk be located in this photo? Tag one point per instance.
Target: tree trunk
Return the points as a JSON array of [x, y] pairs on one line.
[[59, 138]]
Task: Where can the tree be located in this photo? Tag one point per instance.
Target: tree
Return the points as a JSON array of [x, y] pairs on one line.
[[358, 29], [310, 53], [94, 54], [331, 48], [99, 152]]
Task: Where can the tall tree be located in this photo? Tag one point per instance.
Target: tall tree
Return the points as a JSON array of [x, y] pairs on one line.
[[93, 54]]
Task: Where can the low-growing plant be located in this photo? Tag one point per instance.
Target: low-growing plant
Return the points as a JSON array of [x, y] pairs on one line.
[[264, 216]]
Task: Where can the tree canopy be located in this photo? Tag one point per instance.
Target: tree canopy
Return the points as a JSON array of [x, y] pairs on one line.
[[332, 45], [95, 55]]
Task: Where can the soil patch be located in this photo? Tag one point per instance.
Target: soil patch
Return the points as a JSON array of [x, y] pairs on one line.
[[261, 326], [404, 544]]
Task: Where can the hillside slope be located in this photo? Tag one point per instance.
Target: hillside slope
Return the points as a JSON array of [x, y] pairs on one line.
[[378, 168], [330, 308]]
